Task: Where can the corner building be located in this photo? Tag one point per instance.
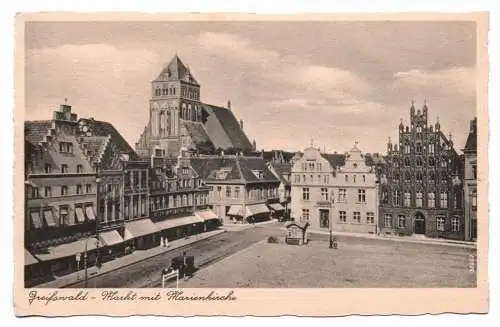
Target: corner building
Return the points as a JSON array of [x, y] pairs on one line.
[[421, 188]]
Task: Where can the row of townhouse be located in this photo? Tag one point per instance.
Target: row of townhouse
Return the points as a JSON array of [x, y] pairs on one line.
[[422, 186], [90, 197]]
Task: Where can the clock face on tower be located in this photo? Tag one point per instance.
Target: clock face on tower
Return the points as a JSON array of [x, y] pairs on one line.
[[84, 128]]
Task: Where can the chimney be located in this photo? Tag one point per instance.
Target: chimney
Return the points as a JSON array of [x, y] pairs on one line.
[[241, 123], [229, 104]]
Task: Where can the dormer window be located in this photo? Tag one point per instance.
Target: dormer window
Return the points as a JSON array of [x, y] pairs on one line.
[[258, 173], [64, 169], [66, 147], [79, 168], [48, 168]]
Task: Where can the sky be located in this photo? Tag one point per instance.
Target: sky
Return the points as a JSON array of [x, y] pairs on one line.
[[292, 83]]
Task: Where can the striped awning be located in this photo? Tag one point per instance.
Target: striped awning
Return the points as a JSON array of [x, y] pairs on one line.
[[89, 210], [49, 218], [139, 228], [36, 219], [177, 222], [66, 250], [29, 259], [80, 217], [255, 209], [206, 215], [235, 210], [276, 207], [110, 238]]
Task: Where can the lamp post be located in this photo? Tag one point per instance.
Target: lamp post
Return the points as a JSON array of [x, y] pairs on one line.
[[96, 236]]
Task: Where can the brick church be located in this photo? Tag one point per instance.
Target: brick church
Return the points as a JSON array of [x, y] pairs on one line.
[[421, 190], [179, 119]]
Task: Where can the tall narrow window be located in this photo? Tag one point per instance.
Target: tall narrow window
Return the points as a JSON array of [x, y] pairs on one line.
[[407, 199], [474, 200], [64, 169], [305, 215], [342, 217], [342, 195], [444, 200], [228, 191], [64, 190], [431, 200], [388, 220], [356, 217], [361, 196], [401, 221], [324, 194], [418, 202], [370, 218], [440, 222], [395, 198], [305, 193], [455, 224]]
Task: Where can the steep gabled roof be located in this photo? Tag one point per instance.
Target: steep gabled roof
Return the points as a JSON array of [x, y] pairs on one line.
[[250, 164], [224, 130], [176, 70], [471, 143], [36, 130], [199, 137], [334, 159], [101, 128], [207, 167]]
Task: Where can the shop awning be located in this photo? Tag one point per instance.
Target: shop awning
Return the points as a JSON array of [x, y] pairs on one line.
[[29, 259], [206, 215], [36, 219], [66, 250], [176, 222], [235, 210], [89, 210], [80, 217], [276, 207], [139, 228], [49, 218], [255, 209], [110, 238]]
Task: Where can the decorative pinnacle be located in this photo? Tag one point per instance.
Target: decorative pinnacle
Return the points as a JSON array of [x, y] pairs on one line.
[[65, 101], [312, 142]]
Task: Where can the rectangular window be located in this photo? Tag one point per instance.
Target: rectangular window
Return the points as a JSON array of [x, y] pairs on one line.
[[474, 200], [370, 218], [407, 199], [324, 194], [346, 178], [48, 169], [431, 148], [88, 188], [63, 216], [79, 168], [297, 178], [356, 217], [401, 221], [48, 191], [444, 200], [305, 215], [474, 171], [326, 179], [455, 224], [440, 224], [388, 220], [64, 169], [342, 195], [35, 193], [64, 190], [228, 191], [395, 198], [79, 189], [431, 201], [361, 196], [305, 193], [419, 200], [342, 217], [236, 191]]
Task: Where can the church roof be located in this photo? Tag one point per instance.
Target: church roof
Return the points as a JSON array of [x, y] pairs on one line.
[[224, 130], [199, 137], [176, 70]]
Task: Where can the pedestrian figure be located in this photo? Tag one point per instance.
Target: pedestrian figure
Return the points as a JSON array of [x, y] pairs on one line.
[[185, 265]]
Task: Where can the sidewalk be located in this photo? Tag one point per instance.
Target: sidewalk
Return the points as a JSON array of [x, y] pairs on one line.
[[236, 227], [408, 239], [137, 256]]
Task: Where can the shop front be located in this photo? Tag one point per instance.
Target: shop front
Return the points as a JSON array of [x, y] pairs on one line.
[[257, 213], [113, 245], [277, 210], [140, 235], [211, 220], [176, 228], [67, 258]]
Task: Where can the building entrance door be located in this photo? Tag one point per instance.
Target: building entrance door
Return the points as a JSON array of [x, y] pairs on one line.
[[324, 218], [419, 223]]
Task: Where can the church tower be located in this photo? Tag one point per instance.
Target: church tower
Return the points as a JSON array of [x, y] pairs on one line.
[[175, 97]]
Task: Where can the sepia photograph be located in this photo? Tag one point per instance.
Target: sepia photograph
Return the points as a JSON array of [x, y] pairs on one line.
[[252, 154]]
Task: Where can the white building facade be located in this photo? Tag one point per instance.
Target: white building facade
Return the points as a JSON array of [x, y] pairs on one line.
[[334, 192]]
